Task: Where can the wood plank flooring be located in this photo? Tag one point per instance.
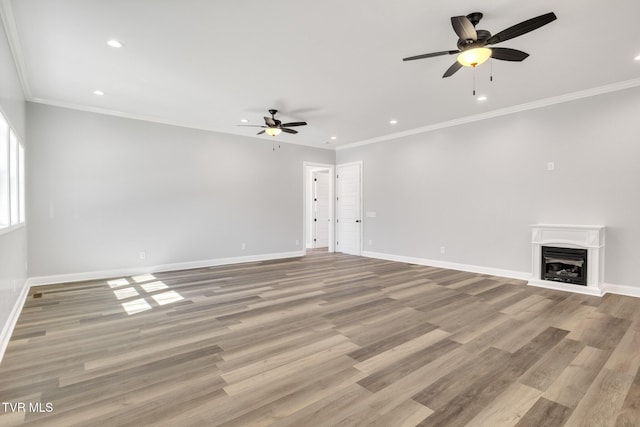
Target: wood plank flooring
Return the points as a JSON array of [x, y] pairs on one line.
[[323, 340]]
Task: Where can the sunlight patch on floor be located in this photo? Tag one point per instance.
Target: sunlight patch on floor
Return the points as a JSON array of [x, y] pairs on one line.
[[153, 286], [167, 297], [136, 287], [136, 306], [143, 278], [125, 293], [116, 283]]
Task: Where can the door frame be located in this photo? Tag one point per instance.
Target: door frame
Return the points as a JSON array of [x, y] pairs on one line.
[[360, 163], [307, 169]]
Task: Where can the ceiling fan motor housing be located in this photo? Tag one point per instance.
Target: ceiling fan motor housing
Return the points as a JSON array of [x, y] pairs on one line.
[[483, 36], [475, 17]]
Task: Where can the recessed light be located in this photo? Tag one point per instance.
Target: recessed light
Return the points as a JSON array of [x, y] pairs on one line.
[[637, 58], [334, 138], [482, 98], [244, 121], [115, 43], [98, 92], [393, 122]]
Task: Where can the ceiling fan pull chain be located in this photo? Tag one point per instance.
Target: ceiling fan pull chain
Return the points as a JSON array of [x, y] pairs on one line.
[[474, 81], [491, 69]]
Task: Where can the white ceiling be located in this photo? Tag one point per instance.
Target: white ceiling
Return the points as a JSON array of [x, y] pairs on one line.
[[336, 64]]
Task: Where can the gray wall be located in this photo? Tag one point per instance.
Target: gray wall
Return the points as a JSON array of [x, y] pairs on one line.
[[13, 245], [105, 188], [475, 188]]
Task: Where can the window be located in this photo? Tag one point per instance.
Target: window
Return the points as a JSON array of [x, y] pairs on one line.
[[21, 194], [13, 177], [4, 172], [12, 181]]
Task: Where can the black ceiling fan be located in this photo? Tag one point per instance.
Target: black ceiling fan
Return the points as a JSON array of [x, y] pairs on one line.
[[274, 126], [472, 43]]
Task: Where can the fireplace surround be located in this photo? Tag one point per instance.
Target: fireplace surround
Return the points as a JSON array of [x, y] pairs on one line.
[[568, 257]]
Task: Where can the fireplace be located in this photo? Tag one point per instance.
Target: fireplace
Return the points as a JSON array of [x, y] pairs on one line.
[[568, 257], [566, 265]]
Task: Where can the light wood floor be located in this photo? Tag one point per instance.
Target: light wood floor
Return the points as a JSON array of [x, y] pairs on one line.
[[323, 340]]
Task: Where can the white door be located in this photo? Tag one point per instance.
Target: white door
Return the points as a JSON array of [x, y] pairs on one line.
[[349, 217], [321, 216]]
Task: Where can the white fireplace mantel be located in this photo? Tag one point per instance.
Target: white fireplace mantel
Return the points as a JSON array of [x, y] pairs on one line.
[[589, 237]]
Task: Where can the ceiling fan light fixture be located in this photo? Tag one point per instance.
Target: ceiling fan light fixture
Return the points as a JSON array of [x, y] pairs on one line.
[[474, 57], [273, 131]]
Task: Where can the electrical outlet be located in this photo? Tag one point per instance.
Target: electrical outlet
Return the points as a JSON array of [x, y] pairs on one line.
[[297, 242], [551, 166], [370, 242], [442, 249], [143, 255], [243, 246]]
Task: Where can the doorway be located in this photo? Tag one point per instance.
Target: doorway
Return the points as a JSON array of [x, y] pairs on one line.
[[320, 209], [319, 206]]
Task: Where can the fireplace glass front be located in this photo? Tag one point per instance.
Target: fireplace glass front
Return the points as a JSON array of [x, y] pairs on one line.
[[567, 265]]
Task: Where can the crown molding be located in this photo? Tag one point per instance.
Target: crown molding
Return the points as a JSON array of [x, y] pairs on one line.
[[9, 22], [627, 84], [159, 120], [8, 19]]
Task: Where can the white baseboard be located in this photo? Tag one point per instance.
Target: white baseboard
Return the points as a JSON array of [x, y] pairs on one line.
[[630, 291], [606, 288], [107, 274], [450, 265], [10, 324]]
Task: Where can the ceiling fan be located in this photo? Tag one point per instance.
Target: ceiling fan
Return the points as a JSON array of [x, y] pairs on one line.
[[472, 43], [274, 127]]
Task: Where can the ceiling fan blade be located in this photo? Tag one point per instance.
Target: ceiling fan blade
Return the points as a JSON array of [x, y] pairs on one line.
[[253, 126], [270, 122], [506, 54], [260, 133], [431, 55], [293, 124], [452, 70], [464, 28], [289, 130], [522, 28]]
